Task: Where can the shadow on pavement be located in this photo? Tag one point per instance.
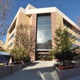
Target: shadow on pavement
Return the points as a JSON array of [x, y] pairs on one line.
[[34, 72], [45, 73], [33, 63]]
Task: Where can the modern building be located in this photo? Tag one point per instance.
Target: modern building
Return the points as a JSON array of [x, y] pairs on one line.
[[1, 44], [45, 21]]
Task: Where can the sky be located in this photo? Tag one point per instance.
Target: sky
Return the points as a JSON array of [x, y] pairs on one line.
[[71, 8]]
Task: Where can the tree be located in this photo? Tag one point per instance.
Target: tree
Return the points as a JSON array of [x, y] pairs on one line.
[[63, 50], [19, 54], [4, 12], [4, 8], [25, 38]]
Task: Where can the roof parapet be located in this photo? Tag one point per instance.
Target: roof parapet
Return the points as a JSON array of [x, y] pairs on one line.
[[29, 6]]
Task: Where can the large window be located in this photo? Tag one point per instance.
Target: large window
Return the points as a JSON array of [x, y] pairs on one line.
[[67, 24], [12, 36], [44, 39], [10, 45], [12, 27], [74, 37], [74, 45]]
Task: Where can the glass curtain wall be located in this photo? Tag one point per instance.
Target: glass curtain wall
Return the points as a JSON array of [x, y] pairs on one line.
[[44, 38]]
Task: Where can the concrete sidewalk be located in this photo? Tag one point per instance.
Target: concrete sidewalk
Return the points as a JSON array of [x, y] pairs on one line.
[[38, 70], [75, 78]]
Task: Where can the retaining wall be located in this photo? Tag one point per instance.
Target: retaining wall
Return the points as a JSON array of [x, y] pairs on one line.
[[66, 74], [7, 70]]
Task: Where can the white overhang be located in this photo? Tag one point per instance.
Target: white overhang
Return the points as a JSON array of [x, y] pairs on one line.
[[34, 10], [49, 10]]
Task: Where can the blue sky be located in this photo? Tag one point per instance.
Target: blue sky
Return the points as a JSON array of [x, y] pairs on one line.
[[71, 8]]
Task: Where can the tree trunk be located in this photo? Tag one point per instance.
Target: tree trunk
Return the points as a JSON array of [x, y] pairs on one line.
[[63, 62]]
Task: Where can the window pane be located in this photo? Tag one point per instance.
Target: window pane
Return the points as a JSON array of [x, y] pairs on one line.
[[40, 46], [43, 17], [47, 46], [12, 36], [41, 27], [74, 45], [41, 22], [40, 33], [47, 34], [47, 22]]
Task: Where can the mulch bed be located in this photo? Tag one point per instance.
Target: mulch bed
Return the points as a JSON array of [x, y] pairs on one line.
[[61, 67]]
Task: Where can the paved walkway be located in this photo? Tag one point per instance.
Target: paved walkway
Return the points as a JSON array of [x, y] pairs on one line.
[[38, 70], [75, 78]]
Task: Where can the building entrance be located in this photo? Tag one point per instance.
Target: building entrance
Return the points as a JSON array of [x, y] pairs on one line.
[[43, 56]]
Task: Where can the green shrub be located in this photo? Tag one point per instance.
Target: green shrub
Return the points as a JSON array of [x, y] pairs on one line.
[[51, 55], [20, 54]]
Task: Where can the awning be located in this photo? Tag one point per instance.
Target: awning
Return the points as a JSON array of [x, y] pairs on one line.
[[4, 53]]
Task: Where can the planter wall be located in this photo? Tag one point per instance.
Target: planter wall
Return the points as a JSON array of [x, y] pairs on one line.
[[5, 71], [24, 65], [66, 74], [16, 68], [77, 64]]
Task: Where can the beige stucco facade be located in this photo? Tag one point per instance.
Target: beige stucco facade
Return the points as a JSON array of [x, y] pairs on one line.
[[1, 44], [28, 16]]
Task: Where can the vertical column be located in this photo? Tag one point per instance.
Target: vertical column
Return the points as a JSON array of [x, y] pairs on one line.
[[34, 19], [53, 27]]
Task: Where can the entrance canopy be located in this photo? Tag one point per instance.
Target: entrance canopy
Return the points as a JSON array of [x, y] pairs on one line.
[[4, 57], [4, 53]]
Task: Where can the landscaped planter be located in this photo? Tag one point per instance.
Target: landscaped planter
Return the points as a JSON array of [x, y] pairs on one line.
[[16, 68], [69, 73], [25, 64], [5, 71], [19, 66], [77, 64]]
